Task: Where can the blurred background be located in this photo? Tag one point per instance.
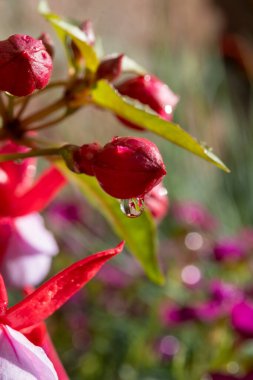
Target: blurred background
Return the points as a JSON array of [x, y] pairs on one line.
[[122, 327]]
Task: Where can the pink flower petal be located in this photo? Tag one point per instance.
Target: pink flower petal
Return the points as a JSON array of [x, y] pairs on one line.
[[54, 293], [39, 336], [28, 256], [20, 359]]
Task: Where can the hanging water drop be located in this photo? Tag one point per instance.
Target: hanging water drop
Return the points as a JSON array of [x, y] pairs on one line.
[[132, 207]]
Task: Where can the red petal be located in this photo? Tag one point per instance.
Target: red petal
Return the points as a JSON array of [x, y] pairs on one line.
[[49, 349], [55, 292], [40, 194], [39, 336], [3, 297]]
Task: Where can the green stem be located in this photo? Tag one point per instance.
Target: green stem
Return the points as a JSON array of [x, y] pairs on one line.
[[49, 123], [23, 107], [58, 104], [31, 153], [10, 106]]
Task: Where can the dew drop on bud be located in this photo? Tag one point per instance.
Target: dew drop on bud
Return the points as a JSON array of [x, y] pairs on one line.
[[132, 207]]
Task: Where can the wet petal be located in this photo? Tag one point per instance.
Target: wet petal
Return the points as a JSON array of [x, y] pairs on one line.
[[54, 293], [3, 297]]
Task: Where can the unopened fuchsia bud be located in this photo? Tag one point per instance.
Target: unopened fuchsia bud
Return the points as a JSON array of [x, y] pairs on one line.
[[48, 43], [84, 156], [25, 65], [126, 167], [110, 68], [150, 91], [87, 28]]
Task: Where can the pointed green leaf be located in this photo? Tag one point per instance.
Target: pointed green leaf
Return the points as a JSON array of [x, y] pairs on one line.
[[65, 28], [139, 233], [105, 95]]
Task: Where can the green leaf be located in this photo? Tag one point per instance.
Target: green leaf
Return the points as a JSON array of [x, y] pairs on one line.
[[65, 28], [139, 233], [105, 95]]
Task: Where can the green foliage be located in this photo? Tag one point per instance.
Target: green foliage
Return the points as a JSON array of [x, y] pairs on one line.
[[139, 233], [104, 95]]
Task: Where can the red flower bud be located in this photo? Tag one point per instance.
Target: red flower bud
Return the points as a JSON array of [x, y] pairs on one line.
[[151, 91], [110, 68], [25, 65], [48, 43], [127, 167], [83, 158]]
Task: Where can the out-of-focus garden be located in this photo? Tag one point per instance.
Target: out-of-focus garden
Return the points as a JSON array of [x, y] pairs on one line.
[[199, 324]]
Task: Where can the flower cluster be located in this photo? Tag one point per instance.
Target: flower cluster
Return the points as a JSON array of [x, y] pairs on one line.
[[130, 169]]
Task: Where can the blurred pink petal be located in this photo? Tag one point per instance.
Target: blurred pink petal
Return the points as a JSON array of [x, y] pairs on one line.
[[229, 249], [22, 360], [29, 252], [193, 214]]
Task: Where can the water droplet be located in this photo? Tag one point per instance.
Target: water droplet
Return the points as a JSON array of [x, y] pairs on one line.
[[132, 207]]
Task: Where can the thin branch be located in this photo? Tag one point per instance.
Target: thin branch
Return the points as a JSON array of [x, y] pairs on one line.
[[48, 124], [58, 104]]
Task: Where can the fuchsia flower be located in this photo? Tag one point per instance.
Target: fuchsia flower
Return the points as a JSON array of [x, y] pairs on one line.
[[150, 91], [25, 242], [242, 317], [229, 249], [126, 167], [193, 214], [223, 298], [18, 356], [30, 245], [25, 65]]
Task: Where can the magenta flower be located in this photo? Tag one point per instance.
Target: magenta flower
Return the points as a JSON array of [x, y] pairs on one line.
[[27, 317], [177, 314], [242, 317], [222, 298], [192, 214], [229, 249]]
